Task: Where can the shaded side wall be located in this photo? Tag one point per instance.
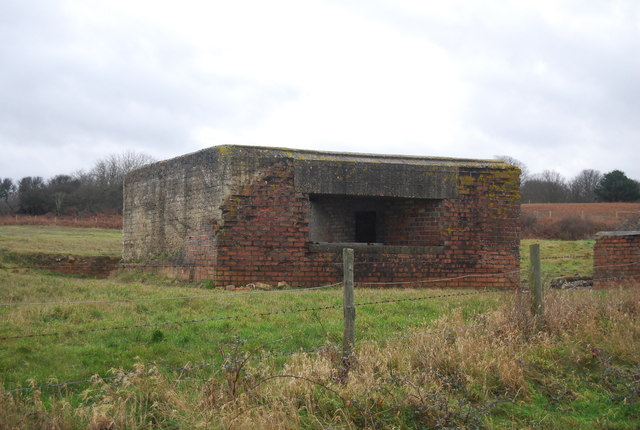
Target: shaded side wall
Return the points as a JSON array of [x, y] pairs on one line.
[[172, 208], [616, 258], [165, 203], [264, 236]]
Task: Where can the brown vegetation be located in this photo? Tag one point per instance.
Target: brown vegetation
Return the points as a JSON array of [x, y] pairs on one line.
[[567, 228], [573, 221], [608, 213]]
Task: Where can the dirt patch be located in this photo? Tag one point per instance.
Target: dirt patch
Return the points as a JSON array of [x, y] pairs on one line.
[[97, 267]]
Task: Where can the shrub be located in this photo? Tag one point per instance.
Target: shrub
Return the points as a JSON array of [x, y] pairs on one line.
[[567, 228], [574, 228]]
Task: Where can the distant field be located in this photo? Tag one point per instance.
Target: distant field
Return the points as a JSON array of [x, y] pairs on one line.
[[88, 221], [609, 213], [61, 240]]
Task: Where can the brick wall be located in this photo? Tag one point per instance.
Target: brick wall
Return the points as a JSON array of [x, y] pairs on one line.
[[97, 267], [264, 237], [616, 258], [414, 223]]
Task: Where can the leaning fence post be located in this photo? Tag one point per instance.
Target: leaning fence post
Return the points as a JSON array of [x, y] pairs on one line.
[[349, 307], [535, 282]]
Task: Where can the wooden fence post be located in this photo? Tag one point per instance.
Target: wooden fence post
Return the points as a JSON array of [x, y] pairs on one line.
[[535, 283], [349, 308]]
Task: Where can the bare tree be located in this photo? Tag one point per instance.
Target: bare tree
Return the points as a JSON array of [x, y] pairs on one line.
[[546, 187], [111, 170], [108, 177], [583, 186], [524, 171], [61, 189]]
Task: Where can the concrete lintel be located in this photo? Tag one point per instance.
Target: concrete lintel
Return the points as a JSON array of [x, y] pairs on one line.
[[617, 233], [376, 179]]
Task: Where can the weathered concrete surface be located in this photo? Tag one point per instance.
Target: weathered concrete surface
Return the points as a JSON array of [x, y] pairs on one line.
[[385, 179]]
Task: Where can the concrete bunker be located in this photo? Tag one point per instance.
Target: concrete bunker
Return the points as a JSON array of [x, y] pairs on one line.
[[234, 215]]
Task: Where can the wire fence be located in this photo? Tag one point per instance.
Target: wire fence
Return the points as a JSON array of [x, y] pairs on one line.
[[263, 356], [152, 299]]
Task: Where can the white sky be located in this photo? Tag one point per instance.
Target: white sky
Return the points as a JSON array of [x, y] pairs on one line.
[[555, 84]]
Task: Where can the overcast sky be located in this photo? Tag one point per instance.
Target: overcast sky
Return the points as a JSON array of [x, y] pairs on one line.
[[555, 84]]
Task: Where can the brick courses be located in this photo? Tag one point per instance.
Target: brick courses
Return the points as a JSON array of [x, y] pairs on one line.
[[616, 258]]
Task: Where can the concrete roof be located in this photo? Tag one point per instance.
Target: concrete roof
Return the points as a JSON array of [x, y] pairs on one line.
[[306, 154]]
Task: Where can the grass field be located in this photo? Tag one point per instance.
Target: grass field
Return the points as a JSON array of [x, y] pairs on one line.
[[61, 240], [493, 371], [559, 257]]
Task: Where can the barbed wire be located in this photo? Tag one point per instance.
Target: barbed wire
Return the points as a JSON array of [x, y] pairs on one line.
[[567, 257], [437, 296], [575, 287], [232, 317], [263, 357], [308, 309], [53, 267], [95, 379], [635, 263], [616, 277], [145, 299], [172, 323], [196, 266], [427, 281], [282, 354]]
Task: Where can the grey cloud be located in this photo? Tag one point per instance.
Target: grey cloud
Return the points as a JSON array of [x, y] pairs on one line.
[[588, 97], [135, 87]]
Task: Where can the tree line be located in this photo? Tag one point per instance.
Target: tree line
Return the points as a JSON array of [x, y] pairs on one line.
[[98, 190], [588, 186]]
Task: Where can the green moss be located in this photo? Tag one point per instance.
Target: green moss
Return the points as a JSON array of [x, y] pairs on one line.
[[465, 180]]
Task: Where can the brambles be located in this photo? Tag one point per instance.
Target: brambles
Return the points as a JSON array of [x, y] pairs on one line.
[[567, 228]]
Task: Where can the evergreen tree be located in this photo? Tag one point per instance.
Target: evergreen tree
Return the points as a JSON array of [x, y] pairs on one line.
[[615, 186]]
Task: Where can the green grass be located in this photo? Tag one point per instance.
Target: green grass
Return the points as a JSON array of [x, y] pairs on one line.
[[570, 381], [61, 240], [559, 257], [84, 354]]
